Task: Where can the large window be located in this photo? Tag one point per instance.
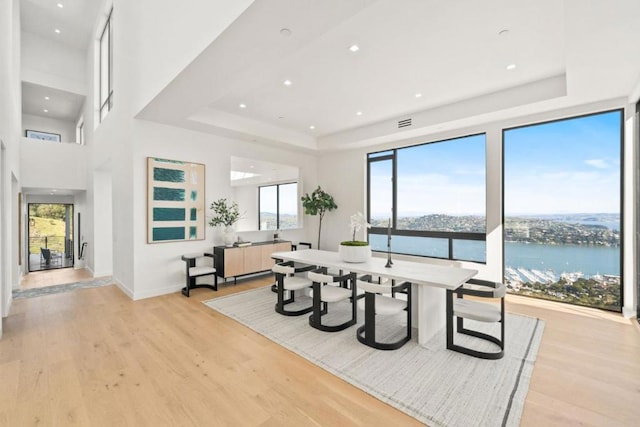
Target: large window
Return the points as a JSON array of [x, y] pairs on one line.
[[105, 68], [431, 197], [278, 206], [562, 210]]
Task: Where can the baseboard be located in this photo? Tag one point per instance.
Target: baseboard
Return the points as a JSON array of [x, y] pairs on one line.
[[124, 288], [156, 292]]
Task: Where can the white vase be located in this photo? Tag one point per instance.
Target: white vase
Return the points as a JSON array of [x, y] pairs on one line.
[[354, 253], [228, 235]]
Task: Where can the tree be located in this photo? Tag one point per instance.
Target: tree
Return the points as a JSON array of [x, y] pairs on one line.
[[318, 203]]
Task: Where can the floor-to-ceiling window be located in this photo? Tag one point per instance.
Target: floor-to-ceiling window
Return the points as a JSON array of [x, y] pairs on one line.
[[430, 198], [562, 210]]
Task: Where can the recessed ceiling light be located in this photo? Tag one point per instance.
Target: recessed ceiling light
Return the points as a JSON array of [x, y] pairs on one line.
[[60, 5], [285, 32], [503, 32], [46, 98], [418, 95], [511, 67], [45, 110], [57, 31], [358, 113], [354, 48], [287, 82], [312, 127], [243, 106], [54, 190]]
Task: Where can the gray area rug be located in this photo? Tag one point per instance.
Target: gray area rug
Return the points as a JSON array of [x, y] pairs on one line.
[[432, 384], [66, 287]]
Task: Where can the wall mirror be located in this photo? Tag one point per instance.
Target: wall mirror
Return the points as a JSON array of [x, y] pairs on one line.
[[267, 193]]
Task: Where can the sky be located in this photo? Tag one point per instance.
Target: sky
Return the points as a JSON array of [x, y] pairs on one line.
[[568, 166]]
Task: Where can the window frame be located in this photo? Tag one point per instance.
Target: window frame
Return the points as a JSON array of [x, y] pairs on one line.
[[277, 204], [620, 111], [449, 235], [107, 103]]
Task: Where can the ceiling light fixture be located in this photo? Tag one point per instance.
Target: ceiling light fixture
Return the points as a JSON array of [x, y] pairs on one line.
[[418, 95], [358, 113], [60, 5], [243, 106], [503, 32], [511, 67], [354, 48], [287, 82], [57, 31], [312, 127], [45, 110], [46, 98], [285, 32]]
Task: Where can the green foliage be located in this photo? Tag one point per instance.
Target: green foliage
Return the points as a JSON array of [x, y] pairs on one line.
[[225, 213], [47, 210], [354, 243], [318, 203]]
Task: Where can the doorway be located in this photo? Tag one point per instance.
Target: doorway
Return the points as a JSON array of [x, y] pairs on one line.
[[50, 236]]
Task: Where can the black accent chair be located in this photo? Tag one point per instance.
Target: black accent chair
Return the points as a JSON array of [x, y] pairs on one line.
[[193, 271], [48, 258], [461, 308], [329, 289], [286, 280], [375, 303]]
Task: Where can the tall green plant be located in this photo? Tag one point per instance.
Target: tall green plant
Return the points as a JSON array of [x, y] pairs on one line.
[[318, 203]]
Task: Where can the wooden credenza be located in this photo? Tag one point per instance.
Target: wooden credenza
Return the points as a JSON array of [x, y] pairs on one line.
[[255, 258]]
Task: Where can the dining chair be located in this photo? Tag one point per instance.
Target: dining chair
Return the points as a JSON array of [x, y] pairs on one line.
[[287, 281], [377, 302], [331, 289], [461, 308], [193, 271]]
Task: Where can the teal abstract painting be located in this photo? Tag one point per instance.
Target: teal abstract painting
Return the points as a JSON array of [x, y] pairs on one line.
[[175, 200]]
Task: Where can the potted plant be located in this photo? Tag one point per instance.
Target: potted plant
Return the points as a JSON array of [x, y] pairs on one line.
[[318, 203], [225, 214], [356, 250]]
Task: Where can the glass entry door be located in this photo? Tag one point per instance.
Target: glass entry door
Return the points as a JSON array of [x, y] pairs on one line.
[[50, 236]]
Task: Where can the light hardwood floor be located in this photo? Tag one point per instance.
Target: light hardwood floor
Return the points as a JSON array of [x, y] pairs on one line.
[[93, 357]]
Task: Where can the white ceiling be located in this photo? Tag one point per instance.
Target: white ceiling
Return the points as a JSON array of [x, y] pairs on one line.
[[61, 105], [75, 20], [566, 53]]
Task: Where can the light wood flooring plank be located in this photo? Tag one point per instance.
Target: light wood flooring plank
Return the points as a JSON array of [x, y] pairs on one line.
[[94, 357]]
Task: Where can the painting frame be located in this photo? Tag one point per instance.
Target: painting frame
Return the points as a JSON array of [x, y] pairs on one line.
[[43, 136], [175, 200]]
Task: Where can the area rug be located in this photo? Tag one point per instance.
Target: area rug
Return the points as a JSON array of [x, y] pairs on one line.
[[432, 384], [66, 287]]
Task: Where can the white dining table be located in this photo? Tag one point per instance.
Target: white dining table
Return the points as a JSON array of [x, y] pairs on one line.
[[429, 282]]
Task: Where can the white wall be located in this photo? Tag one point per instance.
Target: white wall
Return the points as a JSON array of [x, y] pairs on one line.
[[343, 175], [49, 63], [66, 129], [47, 164], [158, 268], [10, 107]]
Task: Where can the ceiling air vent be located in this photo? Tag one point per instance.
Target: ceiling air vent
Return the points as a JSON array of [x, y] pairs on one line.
[[404, 123]]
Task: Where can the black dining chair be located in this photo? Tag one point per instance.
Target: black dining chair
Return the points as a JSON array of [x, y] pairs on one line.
[[460, 308]]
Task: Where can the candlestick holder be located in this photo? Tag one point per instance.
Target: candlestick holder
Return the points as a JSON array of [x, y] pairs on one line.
[[389, 262]]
